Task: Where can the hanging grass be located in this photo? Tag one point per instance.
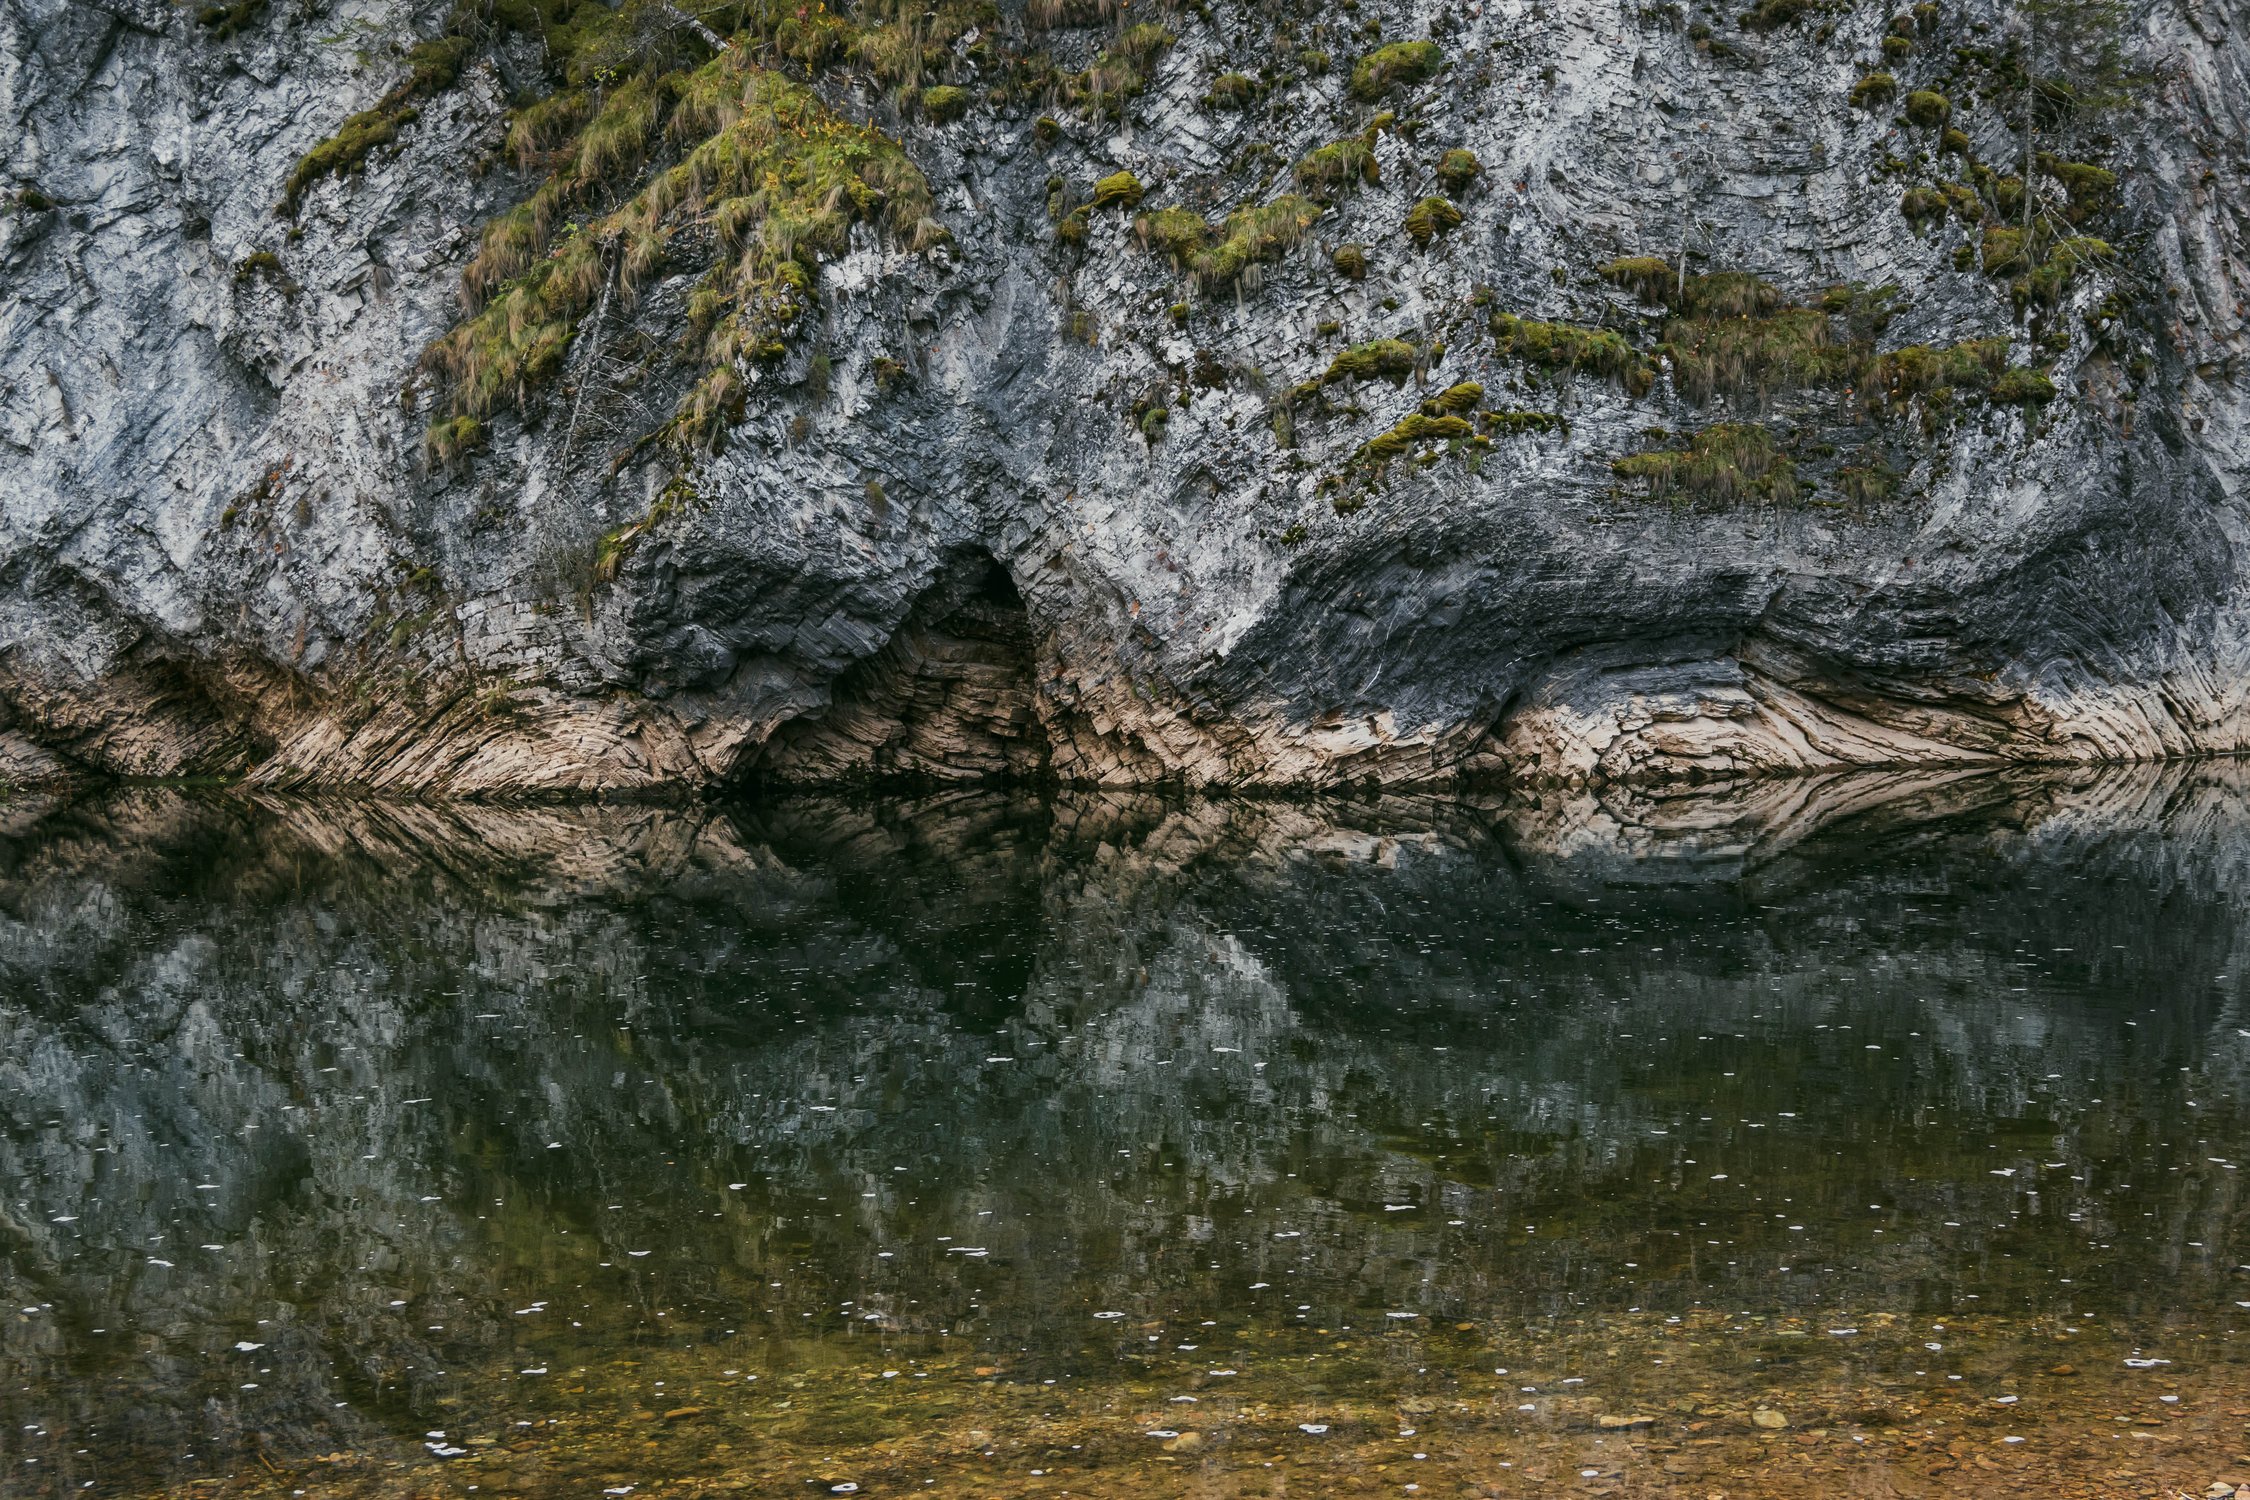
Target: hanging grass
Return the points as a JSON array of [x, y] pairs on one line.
[[1566, 347], [1252, 238], [1731, 463], [776, 178]]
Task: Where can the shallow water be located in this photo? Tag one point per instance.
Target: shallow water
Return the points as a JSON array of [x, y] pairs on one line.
[[1872, 1136]]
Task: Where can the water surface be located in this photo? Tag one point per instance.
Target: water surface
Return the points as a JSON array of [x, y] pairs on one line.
[[1863, 1136]]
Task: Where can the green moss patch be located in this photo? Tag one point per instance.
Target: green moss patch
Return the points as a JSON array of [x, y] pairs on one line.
[[1728, 464], [1396, 65]]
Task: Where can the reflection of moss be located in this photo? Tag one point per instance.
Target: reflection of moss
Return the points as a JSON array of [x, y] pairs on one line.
[[1731, 463]]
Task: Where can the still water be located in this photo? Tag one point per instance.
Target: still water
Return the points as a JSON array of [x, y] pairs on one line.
[[1873, 1136]]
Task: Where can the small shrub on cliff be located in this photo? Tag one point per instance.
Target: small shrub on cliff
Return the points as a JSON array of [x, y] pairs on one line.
[[1773, 15], [2023, 386], [1176, 233], [1350, 262]]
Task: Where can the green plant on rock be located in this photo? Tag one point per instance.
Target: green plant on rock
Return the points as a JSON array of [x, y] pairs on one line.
[[1431, 217], [1788, 350], [1923, 206], [944, 103], [1231, 91], [454, 438], [1350, 262], [2004, 251], [1868, 483], [1411, 431], [1773, 15], [766, 175], [2046, 285], [1458, 170], [1341, 164], [432, 67], [1387, 359], [2088, 189], [1874, 91], [1455, 399], [1566, 347], [1920, 371], [1121, 73], [1954, 141], [1517, 423], [2023, 386], [1649, 280], [1179, 234], [1252, 238], [1929, 109], [1730, 463], [1118, 189], [1897, 49], [225, 22], [1398, 64]]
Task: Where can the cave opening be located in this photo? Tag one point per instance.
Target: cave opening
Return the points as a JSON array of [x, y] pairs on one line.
[[948, 698]]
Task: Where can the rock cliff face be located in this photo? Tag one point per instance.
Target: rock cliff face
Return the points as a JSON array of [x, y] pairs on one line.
[[1064, 484]]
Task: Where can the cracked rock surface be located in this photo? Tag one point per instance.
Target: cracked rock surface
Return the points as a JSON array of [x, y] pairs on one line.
[[939, 541]]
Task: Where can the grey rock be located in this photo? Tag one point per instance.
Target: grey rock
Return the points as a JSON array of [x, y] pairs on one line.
[[223, 551]]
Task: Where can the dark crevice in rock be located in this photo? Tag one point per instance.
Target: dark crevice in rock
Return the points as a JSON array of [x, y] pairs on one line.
[[948, 698]]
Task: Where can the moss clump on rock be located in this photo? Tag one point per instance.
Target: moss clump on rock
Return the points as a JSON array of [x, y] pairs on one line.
[[1567, 347], [1458, 170], [1176, 233], [1392, 66], [1730, 463], [1929, 109], [1253, 237], [1922, 206], [1874, 91], [1118, 189], [1120, 74], [944, 103], [1350, 262], [1410, 432], [1773, 15], [432, 67], [1387, 359], [1455, 399], [1341, 164], [1431, 217], [2023, 386], [1231, 91]]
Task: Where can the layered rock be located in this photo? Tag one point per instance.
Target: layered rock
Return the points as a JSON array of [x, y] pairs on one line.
[[228, 549]]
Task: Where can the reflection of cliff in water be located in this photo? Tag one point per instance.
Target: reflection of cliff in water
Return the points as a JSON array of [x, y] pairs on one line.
[[354, 1083]]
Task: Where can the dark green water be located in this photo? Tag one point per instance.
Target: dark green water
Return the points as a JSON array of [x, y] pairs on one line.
[[965, 1143]]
